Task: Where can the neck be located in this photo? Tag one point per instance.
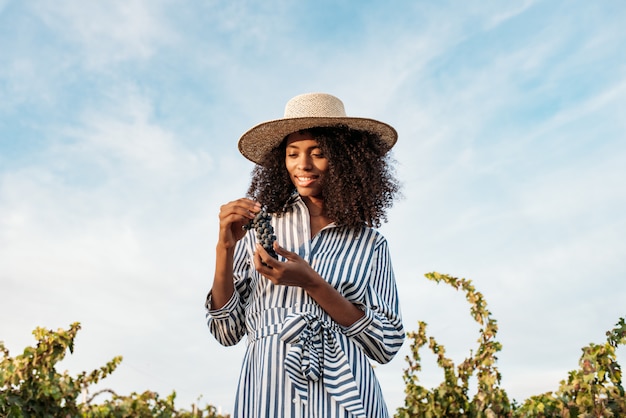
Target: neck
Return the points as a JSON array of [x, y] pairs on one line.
[[315, 206]]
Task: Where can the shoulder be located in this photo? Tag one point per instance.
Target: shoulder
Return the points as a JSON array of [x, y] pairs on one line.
[[366, 234], [378, 237]]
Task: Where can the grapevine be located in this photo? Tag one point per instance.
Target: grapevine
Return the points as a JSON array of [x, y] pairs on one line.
[[264, 231]]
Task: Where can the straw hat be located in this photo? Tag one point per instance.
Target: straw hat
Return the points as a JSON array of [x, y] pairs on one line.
[[306, 111]]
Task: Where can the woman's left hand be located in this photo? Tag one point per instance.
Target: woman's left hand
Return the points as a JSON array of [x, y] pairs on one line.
[[295, 271]]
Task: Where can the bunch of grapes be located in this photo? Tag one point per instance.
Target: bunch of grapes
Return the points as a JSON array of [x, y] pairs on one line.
[[264, 231]]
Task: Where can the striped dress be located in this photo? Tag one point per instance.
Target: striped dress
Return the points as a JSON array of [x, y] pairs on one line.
[[298, 361]]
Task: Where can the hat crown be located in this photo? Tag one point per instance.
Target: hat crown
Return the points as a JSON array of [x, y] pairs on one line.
[[318, 105]]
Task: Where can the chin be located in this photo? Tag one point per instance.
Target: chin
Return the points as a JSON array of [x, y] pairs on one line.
[[309, 193]]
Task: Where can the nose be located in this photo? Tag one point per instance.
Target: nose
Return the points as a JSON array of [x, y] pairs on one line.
[[305, 162]]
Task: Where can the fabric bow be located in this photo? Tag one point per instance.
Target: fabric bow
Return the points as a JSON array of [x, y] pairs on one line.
[[315, 354]]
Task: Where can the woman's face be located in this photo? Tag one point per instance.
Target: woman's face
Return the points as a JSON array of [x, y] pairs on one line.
[[306, 164]]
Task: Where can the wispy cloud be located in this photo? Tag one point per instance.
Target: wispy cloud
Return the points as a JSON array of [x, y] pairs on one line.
[[502, 16], [128, 138], [107, 33]]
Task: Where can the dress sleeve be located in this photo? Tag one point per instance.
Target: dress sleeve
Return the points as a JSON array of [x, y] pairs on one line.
[[227, 324], [379, 332]]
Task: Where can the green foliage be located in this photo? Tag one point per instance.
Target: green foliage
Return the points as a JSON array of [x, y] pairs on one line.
[[595, 390], [30, 386], [146, 404], [451, 398]]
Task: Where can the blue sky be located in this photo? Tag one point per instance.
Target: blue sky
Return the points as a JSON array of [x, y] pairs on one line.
[[118, 130]]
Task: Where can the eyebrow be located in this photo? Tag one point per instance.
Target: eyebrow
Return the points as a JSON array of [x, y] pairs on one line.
[[308, 148]]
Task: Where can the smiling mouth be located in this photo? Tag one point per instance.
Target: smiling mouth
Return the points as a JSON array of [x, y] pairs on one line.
[[305, 180]]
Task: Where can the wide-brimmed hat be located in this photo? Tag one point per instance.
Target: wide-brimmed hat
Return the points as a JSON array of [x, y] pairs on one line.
[[306, 111]]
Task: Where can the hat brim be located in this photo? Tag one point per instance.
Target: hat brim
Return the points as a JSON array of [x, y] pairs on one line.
[[258, 141]]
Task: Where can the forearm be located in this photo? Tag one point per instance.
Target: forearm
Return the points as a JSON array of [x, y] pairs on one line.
[[340, 309], [223, 286]]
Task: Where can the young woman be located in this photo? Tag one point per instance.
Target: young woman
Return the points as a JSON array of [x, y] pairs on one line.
[[318, 314]]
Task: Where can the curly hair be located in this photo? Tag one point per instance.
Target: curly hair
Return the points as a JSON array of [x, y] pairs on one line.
[[358, 188]]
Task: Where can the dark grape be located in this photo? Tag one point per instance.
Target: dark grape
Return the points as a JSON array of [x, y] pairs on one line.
[[264, 231]]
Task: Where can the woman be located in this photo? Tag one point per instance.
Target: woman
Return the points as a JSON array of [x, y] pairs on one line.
[[317, 315]]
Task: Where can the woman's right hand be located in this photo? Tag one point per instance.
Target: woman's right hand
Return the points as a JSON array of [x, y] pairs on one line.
[[233, 216]]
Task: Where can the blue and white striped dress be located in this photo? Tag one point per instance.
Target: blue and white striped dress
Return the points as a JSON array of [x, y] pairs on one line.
[[298, 361]]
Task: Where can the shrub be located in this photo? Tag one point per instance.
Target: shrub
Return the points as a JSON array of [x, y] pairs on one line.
[[30, 386], [594, 390]]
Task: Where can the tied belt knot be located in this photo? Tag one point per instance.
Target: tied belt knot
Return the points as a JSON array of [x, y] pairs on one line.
[[315, 354]]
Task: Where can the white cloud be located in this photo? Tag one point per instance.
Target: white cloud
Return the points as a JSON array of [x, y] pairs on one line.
[[108, 32], [503, 16], [126, 137]]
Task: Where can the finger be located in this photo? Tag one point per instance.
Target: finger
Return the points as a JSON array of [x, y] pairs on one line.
[[285, 253], [237, 213], [258, 261], [250, 205], [240, 206], [233, 219], [263, 259]]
